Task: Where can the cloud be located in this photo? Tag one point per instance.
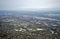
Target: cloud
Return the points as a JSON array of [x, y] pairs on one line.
[[28, 4]]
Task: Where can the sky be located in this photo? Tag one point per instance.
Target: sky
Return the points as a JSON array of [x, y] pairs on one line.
[[29, 4]]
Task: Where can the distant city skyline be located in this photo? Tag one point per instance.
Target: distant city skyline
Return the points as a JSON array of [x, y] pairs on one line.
[[29, 4]]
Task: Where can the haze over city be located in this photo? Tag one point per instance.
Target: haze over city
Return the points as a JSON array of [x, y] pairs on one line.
[[29, 19]]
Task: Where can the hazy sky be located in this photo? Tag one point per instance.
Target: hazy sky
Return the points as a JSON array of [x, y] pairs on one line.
[[29, 4]]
